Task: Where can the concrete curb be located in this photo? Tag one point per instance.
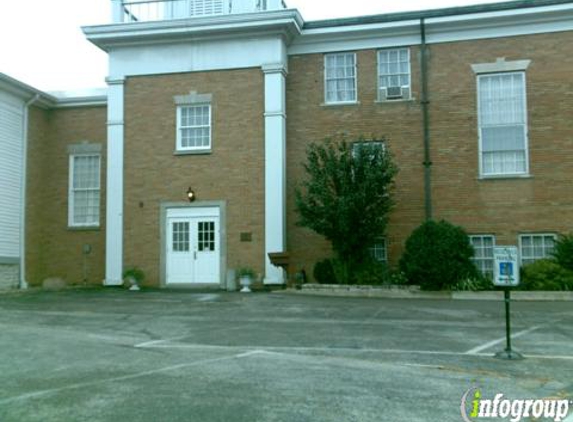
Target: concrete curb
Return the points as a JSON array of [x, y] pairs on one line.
[[414, 292]]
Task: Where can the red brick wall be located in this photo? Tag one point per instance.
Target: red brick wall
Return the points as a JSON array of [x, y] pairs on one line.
[[54, 250], [542, 203], [311, 121], [233, 172], [507, 207]]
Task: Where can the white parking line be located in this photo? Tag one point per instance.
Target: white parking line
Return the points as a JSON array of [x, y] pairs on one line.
[[486, 346], [158, 342], [272, 349], [41, 393]]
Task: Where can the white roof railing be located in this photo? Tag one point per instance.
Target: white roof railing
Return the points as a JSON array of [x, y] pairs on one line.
[[125, 11]]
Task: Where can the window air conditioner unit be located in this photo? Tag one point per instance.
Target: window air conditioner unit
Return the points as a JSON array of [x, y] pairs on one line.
[[394, 92]]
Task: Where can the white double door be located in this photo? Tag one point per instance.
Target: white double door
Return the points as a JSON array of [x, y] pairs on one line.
[[193, 246]]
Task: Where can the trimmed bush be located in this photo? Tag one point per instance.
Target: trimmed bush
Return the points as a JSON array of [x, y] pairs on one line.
[[372, 273], [546, 275], [563, 252], [368, 273], [438, 256], [323, 272]]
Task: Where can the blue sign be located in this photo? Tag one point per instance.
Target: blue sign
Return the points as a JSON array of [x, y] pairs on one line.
[[506, 268]]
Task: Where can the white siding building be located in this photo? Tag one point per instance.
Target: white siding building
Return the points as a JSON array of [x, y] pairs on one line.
[[11, 153], [15, 97]]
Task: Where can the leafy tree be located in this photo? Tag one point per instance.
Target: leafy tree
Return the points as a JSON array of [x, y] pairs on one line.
[[347, 197]]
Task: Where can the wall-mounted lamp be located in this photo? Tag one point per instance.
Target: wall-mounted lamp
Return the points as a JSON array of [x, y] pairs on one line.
[[191, 194]]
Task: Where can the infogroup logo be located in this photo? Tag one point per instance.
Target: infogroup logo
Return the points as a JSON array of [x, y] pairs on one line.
[[475, 406]]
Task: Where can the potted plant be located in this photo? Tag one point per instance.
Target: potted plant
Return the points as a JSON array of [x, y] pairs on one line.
[[134, 276], [246, 276]]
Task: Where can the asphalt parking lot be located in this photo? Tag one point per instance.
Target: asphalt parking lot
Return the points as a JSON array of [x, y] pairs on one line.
[[114, 355]]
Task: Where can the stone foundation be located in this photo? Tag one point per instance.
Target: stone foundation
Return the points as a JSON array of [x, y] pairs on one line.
[[9, 274]]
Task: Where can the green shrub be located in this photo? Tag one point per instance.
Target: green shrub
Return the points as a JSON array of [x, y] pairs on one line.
[[546, 274], [323, 272], [474, 284], [563, 252], [398, 278], [375, 273], [134, 272], [246, 272], [438, 256], [372, 273]]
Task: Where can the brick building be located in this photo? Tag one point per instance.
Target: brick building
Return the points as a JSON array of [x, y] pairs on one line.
[[222, 98]]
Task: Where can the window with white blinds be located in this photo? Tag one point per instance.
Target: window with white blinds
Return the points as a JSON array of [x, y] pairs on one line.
[[483, 257], [503, 124], [84, 191], [394, 74], [340, 78], [536, 246], [194, 127]]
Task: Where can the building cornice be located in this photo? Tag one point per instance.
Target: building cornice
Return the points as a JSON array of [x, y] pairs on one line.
[[94, 97], [365, 33], [87, 101], [26, 92], [512, 7], [287, 23], [97, 97]]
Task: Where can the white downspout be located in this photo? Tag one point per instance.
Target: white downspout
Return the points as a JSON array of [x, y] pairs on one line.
[[23, 282]]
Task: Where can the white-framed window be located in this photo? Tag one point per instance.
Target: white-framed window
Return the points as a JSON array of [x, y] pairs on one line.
[[483, 258], [340, 81], [533, 247], [394, 74], [502, 114], [380, 250], [194, 127], [84, 190], [366, 144]]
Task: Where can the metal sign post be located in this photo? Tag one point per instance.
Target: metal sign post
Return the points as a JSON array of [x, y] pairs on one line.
[[506, 275]]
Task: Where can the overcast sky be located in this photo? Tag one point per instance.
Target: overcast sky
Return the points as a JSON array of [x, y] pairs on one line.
[[41, 42]]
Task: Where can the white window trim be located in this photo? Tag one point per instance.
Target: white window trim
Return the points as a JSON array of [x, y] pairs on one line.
[[501, 66], [521, 236], [493, 245], [525, 129], [71, 196], [381, 240], [179, 146], [193, 98], [355, 145], [409, 86], [355, 101]]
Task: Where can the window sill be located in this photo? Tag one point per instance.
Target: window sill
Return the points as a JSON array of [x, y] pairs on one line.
[[401, 101], [350, 103], [84, 228], [506, 177], [193, 152]]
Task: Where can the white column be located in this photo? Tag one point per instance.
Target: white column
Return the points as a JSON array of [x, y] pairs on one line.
[[114, 186], [117, 11], [275, 168]]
